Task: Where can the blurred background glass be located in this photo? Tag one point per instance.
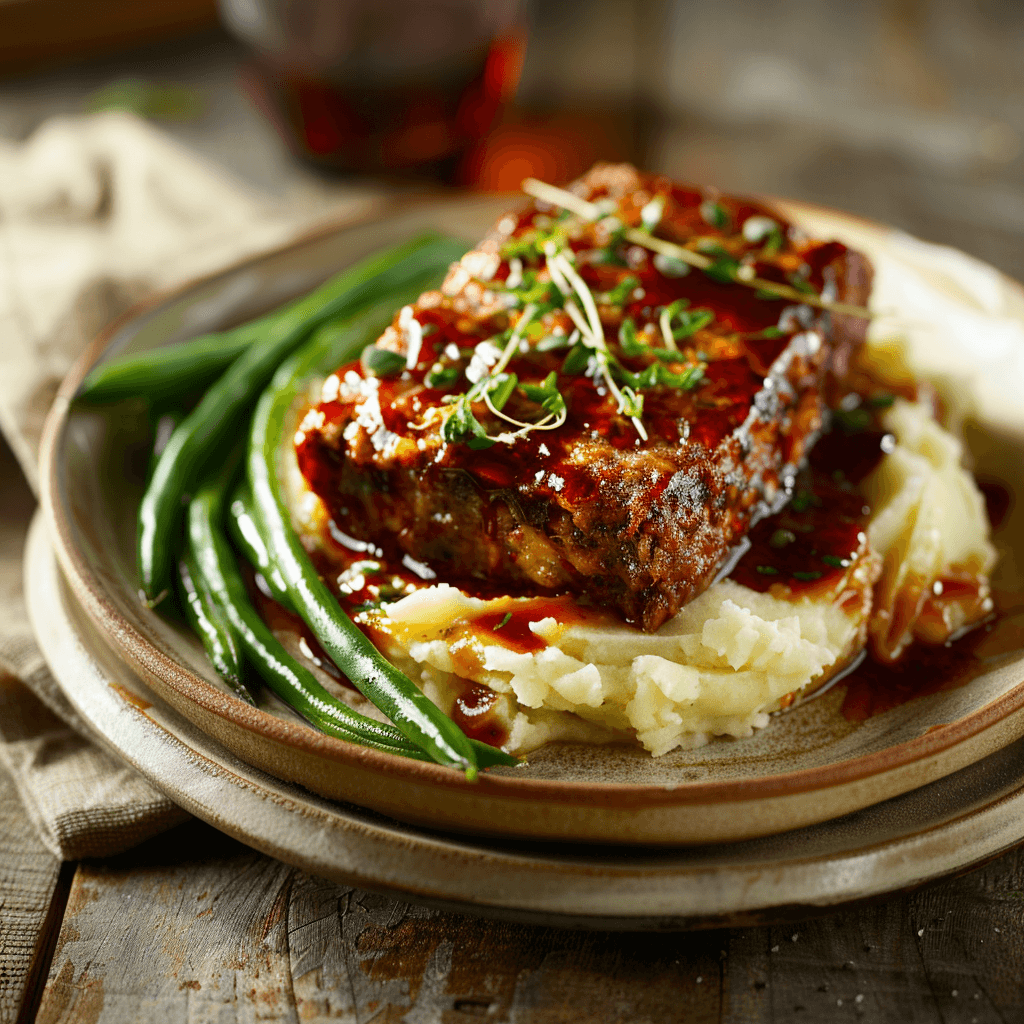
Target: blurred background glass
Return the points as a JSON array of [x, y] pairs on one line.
[[908, 111], [383, 85]]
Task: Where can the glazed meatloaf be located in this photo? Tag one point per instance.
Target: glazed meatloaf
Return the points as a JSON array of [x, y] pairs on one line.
[[574, 413]]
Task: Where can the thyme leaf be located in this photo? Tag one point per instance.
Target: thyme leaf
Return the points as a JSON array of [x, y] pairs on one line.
[[723, 269], [577, 360], [632, 404], [852, 421], [622, 291], [658, 374], [804, 500], [715, 214], [629, 341], [801, 284], [440, 376], [691, 321], [547, 394], [883, 400], [529, 246], [462, 427], [382, 362], [835, 561], [499, 389], [780, 538]]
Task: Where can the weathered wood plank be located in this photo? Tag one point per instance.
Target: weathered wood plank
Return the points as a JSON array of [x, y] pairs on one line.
[[951, 952], [28, 877], [162, 935], [196, 928]]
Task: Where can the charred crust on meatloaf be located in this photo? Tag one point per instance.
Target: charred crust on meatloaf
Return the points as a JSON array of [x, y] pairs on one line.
[[639, 526]]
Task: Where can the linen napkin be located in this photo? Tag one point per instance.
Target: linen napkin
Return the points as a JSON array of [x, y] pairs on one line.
[[95, 213]]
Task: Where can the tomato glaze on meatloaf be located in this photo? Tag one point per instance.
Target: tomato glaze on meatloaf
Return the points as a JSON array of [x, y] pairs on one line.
[[634, 513]]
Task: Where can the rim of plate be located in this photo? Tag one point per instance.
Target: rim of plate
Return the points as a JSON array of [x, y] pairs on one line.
[[136, 649]]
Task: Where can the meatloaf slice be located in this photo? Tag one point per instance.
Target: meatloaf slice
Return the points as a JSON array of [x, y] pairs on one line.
[[637, 513]]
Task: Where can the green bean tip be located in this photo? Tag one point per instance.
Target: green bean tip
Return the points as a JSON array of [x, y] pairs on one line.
[[152, 602]]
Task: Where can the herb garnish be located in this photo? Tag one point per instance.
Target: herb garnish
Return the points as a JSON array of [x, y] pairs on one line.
[[504, 622], [643, 237], [766, 334], [494, 388], [716, 215], [780, 538], [543, 277], [547, 395], [651, 214], [801, 284], [440, 376], [852, 421], [622, 291], [382, 362], [724, 269], [803, 500], [678, 322], [765, 231], [835, 561], [572, 286]]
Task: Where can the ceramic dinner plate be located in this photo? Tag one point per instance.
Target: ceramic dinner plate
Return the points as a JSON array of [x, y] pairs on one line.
[[948, 825], [812, 763]]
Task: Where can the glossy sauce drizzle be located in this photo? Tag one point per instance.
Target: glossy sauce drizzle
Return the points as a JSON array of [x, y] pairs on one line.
[[810, 546], [927, 669], [474, 714], [936, 668]]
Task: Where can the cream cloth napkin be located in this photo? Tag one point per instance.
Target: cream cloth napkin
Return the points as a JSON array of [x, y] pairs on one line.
[[95, 212]]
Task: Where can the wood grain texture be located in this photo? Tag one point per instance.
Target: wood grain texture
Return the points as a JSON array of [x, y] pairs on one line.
[[28, 876], [195, 927]]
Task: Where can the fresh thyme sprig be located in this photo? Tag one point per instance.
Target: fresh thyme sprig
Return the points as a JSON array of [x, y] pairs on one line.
[[591, 329], [589, 351], [721, 267]]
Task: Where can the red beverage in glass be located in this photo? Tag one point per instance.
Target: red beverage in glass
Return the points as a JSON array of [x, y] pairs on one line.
[[384, 85]]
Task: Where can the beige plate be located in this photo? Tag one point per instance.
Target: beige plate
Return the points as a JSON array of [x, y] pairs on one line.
[[948, 825], [809, 766]]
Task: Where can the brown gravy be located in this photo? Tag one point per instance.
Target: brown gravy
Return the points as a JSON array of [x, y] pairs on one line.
[[927, 669]]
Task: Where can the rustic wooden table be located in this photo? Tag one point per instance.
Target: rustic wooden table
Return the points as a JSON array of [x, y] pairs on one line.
[[194, 926]]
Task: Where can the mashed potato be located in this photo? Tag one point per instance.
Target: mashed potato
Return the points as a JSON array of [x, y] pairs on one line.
[[717, 668], [931, 529]]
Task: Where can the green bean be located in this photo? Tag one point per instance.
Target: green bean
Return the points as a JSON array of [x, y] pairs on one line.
[[244, 532], [163, 424], [217, 567], [247, 539], [210, 625], [390, 690], [172, 371], [217, 570], [201, 437]]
